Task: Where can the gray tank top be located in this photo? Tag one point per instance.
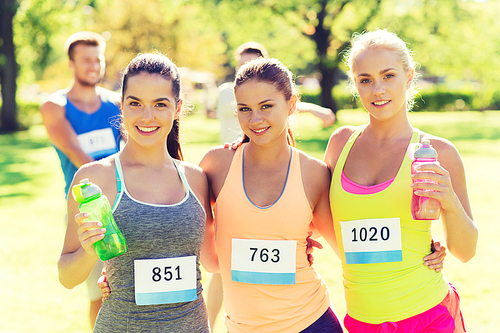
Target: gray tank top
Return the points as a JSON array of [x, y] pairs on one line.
[[153, 232]]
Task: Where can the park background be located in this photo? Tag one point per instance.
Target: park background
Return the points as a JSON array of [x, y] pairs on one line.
[[454, 41]]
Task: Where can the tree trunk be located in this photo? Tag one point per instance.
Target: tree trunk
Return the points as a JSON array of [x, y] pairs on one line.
[[328, 65], [321, 38], [8, 67], [327, 83]]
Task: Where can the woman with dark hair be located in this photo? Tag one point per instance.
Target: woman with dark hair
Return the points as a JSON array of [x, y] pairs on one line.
[[161, 205], [266, 194]]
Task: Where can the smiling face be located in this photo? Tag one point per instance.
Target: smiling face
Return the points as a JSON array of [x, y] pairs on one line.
[[381, 82], [263, 111], [149, 109], [87, 64]]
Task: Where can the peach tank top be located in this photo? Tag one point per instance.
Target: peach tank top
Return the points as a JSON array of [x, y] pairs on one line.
[[268, 283]]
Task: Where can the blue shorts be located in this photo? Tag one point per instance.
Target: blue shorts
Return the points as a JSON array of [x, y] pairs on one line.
[[327, 323]]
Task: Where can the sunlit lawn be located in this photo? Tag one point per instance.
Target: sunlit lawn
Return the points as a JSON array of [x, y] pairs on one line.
[[32, 213]]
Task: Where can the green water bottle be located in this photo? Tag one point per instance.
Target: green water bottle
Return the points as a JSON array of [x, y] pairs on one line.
[[94, 203]]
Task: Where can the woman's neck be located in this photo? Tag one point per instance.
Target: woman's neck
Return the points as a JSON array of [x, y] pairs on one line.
[[267, 155], [155, 156], [386, 130]]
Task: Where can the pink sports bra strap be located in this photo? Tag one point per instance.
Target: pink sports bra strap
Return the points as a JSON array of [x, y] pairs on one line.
[[355, 188]]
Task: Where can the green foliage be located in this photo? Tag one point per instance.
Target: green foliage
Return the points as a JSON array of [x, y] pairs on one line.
[[495, 101], [187, 34], [310, 97], [442, 100], [345, 100], [28, 114], [451, 41], [243, 21], [40, 30]]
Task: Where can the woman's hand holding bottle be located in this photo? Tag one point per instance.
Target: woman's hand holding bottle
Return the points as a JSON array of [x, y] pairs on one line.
[[89, 232]]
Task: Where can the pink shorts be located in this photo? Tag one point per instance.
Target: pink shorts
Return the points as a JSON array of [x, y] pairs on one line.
[[445, 317]]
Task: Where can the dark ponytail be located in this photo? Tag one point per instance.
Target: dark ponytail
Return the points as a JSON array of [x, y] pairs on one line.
[[173, 142]]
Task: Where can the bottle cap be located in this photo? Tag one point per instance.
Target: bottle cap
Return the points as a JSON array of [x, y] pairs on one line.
[[84, 190], [425, 150]]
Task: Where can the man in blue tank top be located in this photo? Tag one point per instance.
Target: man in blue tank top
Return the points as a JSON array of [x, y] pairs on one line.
[[82, 122]]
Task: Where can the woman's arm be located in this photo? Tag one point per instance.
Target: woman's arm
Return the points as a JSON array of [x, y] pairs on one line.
[[322, 220], [198, 182], [78, 258], [316, 179]]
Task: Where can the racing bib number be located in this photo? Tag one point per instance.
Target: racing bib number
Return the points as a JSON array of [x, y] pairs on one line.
[[263, 261], [97, 143], [372, 241], [165, 281]]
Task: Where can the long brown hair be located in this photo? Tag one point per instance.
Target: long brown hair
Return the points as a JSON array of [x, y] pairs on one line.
[[159, 64]]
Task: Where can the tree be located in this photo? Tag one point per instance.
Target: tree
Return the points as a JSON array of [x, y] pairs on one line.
[[451, 42], [306, 35], [449, 36], [30, 29], [8, 67], [186, 34], [244, 21], [329, 24], [330, 45]]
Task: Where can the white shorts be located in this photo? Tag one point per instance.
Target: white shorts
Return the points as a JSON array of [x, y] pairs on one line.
[[94, 291]]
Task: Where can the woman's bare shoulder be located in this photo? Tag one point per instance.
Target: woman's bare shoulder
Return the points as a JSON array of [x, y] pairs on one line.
[[193, 172], [447, 152], [101, 172], [337, 141], [217, 158], [342, 134], [313, 170], [97, 169]]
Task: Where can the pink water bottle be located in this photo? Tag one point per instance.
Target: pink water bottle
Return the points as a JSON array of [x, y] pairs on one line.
[[424, 208]]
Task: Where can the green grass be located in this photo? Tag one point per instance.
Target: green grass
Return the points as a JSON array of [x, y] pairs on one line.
[[32, 220]]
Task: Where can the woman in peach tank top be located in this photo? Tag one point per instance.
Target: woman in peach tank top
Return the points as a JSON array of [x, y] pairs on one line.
[[266, 196]]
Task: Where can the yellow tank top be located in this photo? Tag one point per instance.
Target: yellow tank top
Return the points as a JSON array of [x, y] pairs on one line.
[[382, 248], [267, 297]]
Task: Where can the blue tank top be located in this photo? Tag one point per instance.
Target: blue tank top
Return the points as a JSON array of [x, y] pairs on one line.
[[98, 133]]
